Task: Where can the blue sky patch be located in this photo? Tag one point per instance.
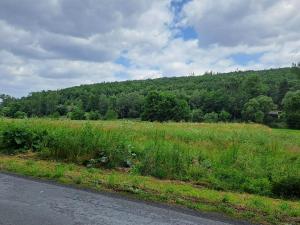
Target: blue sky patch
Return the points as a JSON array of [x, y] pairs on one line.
[[188, 33], [244, 59], [123, 61]]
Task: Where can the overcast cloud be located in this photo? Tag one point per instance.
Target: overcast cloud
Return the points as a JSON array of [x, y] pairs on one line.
[[60, 43]]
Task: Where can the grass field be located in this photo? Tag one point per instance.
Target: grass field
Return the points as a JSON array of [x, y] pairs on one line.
[[219, 158]]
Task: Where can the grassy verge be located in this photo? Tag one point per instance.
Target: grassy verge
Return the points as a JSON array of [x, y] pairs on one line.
[[255, 208]]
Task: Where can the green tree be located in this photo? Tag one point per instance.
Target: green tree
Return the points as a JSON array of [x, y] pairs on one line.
[[253, 86], [77, 114], [6, 111], [224, 116], [61, 109], [257, 109], [291, 105], [211, 117], [197, 115], [296, 69], [164, 107], [103, 104], [20, 115], [282, 90], [129, 105], [92, 115]]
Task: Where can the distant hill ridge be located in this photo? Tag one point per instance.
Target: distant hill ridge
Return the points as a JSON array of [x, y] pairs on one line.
[[206, 94]]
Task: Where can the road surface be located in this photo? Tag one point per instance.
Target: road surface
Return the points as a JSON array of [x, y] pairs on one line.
[[31, 202]]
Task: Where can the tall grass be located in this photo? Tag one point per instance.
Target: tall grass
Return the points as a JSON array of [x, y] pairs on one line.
[[240, 157]]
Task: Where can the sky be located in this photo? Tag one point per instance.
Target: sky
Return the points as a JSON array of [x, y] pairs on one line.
[[53, 44]]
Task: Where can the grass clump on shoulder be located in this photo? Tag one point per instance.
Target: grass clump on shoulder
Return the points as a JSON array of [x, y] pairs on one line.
[[244, 158]]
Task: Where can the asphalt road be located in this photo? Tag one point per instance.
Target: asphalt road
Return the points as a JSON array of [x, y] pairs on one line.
[[30, 202]]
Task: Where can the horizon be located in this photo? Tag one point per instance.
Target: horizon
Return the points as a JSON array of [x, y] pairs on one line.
[[72, 44]]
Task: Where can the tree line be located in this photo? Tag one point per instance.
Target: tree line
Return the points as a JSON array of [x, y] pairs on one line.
[[269, 96]]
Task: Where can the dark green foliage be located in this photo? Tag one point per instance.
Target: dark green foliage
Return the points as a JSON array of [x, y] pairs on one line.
[[257, 109], [21, 138], [296, 69], [288, 187], [224, 116], [211, 117], [253, 86], [282, 90], [93, 115], [55, 115], [20, 115], [130, 105], [62, 109], [197, 115], [111, 115], [164, 107], [291, 103], [77, 114]]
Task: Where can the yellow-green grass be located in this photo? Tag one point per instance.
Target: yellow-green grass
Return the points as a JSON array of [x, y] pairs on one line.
[[255, 208]]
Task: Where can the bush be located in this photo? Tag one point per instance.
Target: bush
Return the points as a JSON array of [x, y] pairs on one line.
[[211, 117], [291, 104], [77, 114], [197, 115], [165, 107], [287, 187], [20, 115], [115, 151], [224, 116], [20, 138], [93, 115]]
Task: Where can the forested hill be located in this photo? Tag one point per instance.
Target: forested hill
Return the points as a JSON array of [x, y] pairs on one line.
[[247, 96]]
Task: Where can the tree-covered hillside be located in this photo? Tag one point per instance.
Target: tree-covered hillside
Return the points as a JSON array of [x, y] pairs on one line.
[[257, 96]]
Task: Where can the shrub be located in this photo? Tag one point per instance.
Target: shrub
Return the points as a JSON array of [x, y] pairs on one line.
[[287, 187], [197, 115], [211, 117], [20, 115], [93, 115], [291, 104], [77, 114], [224, 116], [115, 151], [21, 138], [165, 107]]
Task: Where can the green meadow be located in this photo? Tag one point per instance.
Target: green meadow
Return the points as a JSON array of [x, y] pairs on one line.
[[231, 158], [237, 157]]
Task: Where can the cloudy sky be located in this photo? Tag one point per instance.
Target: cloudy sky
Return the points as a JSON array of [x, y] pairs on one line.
[[60, 43]]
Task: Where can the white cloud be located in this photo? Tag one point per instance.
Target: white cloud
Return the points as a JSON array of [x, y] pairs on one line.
[[60, 43], [233, 22]]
